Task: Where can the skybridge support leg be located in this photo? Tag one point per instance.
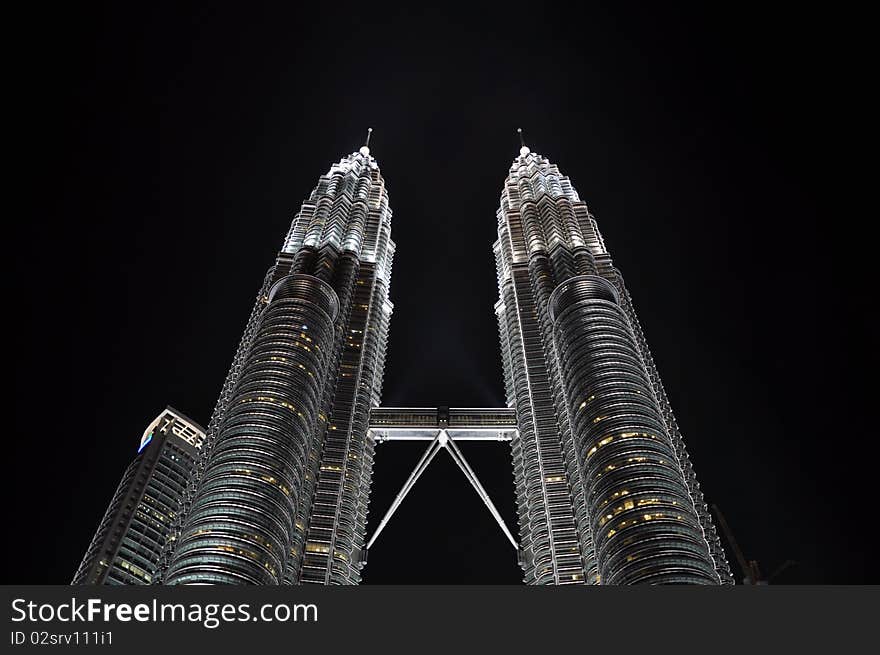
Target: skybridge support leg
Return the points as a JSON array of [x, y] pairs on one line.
[[442, 440], [429, 454], [459, 459]]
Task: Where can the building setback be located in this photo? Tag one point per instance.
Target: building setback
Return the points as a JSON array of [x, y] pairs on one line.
[[132, 535]]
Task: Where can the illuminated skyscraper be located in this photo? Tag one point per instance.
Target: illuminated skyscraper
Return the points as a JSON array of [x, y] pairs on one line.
[[281, 494], [605, 491], [131, 537]]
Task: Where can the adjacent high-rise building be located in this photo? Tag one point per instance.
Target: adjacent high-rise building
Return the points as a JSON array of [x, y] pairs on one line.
[[605, 491], [130, 540]]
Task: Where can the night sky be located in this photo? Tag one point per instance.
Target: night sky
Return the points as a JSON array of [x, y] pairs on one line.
[[160, 155]]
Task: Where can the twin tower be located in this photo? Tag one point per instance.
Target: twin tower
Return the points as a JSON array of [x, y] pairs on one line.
[[605, 490]]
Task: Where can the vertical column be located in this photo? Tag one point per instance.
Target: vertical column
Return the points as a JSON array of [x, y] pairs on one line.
[[548, 533], [644, 525], [240, 527]]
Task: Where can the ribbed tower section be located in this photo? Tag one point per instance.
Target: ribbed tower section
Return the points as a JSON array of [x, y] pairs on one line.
[[605, 490], [280, 494]]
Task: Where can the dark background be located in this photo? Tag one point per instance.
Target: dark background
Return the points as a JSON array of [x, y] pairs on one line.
[[160, 154]]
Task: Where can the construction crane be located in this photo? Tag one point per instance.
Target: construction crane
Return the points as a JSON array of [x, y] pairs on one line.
[[750, 569]]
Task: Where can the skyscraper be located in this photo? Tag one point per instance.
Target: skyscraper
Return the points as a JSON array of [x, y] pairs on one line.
[[605, 490], [131, 537], [604, 487], [281, 493]]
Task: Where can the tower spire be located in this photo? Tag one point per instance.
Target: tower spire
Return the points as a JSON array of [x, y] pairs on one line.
[[524, 150], [365, 149]]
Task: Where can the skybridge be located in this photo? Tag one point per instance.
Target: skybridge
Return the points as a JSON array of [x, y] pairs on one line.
[[442, 428]]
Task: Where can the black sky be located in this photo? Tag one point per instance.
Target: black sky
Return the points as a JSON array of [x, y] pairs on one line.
[[162, 152]]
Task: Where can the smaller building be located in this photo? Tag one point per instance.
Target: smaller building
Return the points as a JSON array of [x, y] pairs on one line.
[[131, 537]]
